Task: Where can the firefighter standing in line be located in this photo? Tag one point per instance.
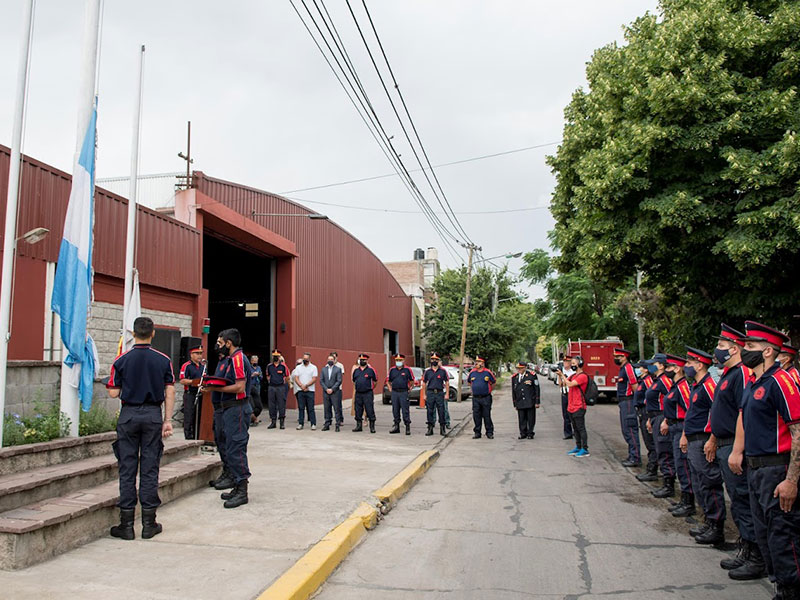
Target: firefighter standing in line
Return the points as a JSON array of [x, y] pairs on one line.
[[768, 434], [787, 358], [435, 381], [654, 405], [525, 395], [482, 380], [277, 376], [400, 379], [628, 419], [676, 405], [190, 376], [364, 379], [645, 381]]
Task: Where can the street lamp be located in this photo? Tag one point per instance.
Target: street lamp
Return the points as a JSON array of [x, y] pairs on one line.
[[509, 256], [313, 216], [34, 236]]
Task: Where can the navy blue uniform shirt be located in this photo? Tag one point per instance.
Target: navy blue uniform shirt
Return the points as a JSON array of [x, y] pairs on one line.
[[626, 382], [481, 382], [436, 379], [276, 375], [769, 405], [141, 375], [654, 396], [401, 379], [189, 370], [364, 379], [699, 415], [728, 400], [644, 383], [234, 367]]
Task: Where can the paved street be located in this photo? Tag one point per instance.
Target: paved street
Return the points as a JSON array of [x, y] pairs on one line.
[[507, 519]]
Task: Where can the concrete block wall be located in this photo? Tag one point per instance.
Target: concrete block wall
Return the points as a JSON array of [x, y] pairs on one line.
[[31, 382]]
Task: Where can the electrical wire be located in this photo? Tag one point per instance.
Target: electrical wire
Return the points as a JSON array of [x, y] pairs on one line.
[[416, 212]]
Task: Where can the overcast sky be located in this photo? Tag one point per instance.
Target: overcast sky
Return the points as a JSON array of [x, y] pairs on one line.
[[479, 77]]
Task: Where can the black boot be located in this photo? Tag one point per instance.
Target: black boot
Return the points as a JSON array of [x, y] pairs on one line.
[[430, 430], [442, 430], [124, 530], [271, 424], [742, 554], [238, 497], [222, 477], [149, 526], [408, 428], [753, 566], [358, 426], [631, 463], [681, 503], [714, 535], [372, 426], [667, 490], [687, 510], [651, 474], [700, 528], [395, 429], [225, 482], [337, 427], [283, 426]]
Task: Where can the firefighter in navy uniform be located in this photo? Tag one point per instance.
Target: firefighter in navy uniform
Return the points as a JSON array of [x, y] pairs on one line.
[[787, 359], [676, 405], [748, 562], [768, 433], [482, 379], [628, 420], [276, 376], [654, 405], [696, 432], [190, 376], [645, 380], [525, 395], [235, 413], [364, 379], [436, 383], [400, 380], [143, 381]]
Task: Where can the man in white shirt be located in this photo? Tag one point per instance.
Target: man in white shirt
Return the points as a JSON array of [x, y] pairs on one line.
[[304, 376]]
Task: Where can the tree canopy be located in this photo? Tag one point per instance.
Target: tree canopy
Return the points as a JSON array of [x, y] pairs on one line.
[[682, 159]]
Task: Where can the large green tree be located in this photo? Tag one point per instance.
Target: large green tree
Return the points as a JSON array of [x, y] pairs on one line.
[[499, 335], [682, 159]]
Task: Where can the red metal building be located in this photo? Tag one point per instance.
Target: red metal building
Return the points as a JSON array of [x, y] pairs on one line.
[[288, 282]]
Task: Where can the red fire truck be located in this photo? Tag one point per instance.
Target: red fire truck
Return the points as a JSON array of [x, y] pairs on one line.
[[598, 361]]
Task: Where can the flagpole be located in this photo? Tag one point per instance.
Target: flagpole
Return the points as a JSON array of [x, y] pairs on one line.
[[10, 236], [131, 232], [70, 403]]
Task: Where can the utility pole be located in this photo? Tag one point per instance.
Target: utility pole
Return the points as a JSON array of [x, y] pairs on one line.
[[496, 292], [188, 156], [471, 248], [639, 314]]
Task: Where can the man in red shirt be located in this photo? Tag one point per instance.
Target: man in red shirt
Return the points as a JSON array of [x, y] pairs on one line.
[[576, 386]]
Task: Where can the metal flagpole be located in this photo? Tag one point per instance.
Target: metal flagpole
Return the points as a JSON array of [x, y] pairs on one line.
[[10, 237], [130, 239], [70, 403]]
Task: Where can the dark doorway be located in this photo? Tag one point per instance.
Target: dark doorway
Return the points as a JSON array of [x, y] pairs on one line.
[[239, 294]]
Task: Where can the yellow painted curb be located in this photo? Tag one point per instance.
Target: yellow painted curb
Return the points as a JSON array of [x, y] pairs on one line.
[[398, 485], [311, 571]]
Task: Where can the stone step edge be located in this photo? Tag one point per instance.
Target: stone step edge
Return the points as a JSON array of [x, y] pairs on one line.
[[30, 518], [75, 468]]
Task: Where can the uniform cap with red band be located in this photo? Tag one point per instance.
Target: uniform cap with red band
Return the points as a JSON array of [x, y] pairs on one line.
[[480, 358], [675, 360], [730, 334], [400, 357], [699, 355], [756, 332], [196, 349], [622, 352], [435, 356], [787, 349], [363, 356]]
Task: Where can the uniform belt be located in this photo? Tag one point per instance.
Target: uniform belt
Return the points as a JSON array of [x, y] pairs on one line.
[[674, 421], [769, 460], [129, 405], [276, 384], [654, 413], [721, 442], [231, 403], [694, 437], [480, 395]]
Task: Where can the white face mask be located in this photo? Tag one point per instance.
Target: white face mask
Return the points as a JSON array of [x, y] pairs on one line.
[[398, 364]]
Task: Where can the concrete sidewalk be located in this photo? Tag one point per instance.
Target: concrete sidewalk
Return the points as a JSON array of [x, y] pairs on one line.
[[304, 483]]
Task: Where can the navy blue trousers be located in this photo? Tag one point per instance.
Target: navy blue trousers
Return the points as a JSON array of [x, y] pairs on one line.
[[219, 435], [739, 494], [682, 467], [434, 404], [365, 401], [777, 532], [400, 404], [647, 439], [708, 479], [663, 448], [138, 449], [236, 423], [482, 414], [305, 404], [629, 424], [276, 401]]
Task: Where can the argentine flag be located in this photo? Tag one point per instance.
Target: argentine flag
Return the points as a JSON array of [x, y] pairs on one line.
[[72, 288]]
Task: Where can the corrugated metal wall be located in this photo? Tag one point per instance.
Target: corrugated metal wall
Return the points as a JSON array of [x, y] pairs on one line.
[[345, 295], [168, 254]]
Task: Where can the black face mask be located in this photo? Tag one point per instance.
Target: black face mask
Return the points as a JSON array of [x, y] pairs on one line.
[[223, 351], [276, 360], [617, 361], [752, 358], [363, 363], [434, 363], [305, 361], [669, 374]]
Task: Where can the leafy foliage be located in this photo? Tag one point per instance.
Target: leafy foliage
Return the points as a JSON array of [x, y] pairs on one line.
[[47, 424], [97, 420], [682, 159]]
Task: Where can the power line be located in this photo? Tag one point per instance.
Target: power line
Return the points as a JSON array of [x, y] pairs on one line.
[[417, 212]]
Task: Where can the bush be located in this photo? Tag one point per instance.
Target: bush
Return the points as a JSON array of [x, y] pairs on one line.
[[97, 420], [47, 424]]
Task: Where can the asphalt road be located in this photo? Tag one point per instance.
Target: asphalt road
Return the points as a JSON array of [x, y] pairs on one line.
[[507, 518]]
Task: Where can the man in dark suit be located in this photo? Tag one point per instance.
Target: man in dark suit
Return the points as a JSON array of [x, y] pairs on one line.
[[525, 395], [331, 380]]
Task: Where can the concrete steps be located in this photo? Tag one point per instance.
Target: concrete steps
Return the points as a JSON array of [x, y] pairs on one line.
[[69, 498]]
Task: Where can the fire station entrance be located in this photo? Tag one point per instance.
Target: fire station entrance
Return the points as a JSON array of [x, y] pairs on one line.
[[240, 284]]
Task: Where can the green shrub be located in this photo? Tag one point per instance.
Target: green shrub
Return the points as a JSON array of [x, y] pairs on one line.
[[97, 420], [47, 424]]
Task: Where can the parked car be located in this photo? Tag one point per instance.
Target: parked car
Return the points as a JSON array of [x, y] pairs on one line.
[[544, 371], [413, 393], [466, 391]]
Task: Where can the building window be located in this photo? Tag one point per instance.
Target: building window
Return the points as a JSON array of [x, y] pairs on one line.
[[418, 324]]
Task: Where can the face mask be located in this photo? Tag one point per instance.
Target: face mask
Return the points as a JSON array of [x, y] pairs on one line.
[[752, 358], [617, 361], [398, 364], [722, 356], [669, 374], [640, 372], [223, 351], [305, 361], [363, 363], [690, 371], [574, 367], [652, 369], [276, 359], [434, 363], [330, 363]]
